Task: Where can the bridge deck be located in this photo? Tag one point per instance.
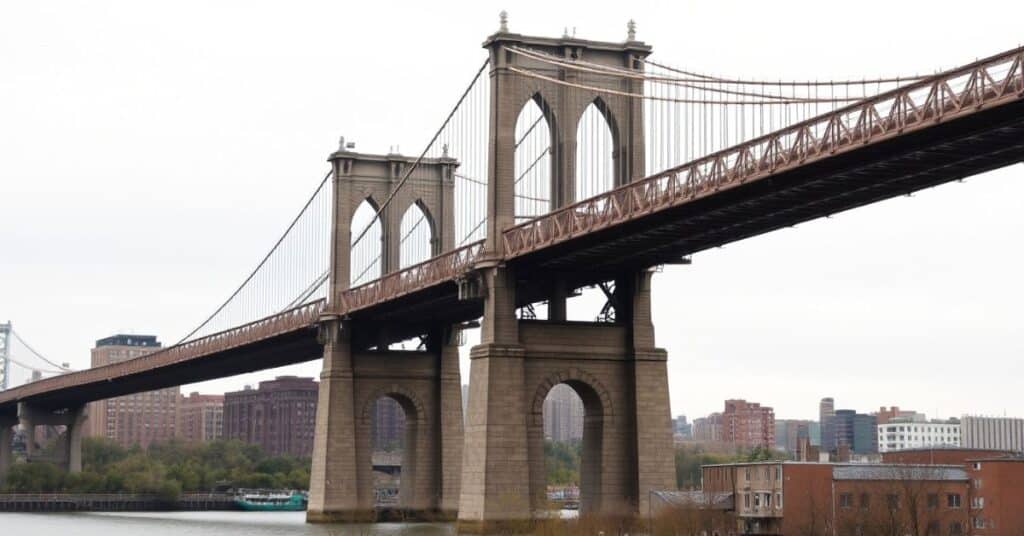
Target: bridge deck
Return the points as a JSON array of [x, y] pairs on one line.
[[953, 125]]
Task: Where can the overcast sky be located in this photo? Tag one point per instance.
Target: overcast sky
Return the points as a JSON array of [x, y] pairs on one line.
[[150, 154]]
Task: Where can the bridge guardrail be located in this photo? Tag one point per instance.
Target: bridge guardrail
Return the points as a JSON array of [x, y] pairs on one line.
[[443, 267], [286, 321], [947, 95]]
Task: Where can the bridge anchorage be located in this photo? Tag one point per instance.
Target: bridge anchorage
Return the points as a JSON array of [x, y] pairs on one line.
[[566, 164]]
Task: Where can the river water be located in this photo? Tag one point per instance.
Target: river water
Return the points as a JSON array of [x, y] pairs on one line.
[[200, 524]]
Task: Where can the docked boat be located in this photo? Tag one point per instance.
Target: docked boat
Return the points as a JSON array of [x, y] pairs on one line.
[[271, 500]]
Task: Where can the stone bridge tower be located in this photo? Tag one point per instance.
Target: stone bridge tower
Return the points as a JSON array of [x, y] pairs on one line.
[[359, 370], [614, 367]]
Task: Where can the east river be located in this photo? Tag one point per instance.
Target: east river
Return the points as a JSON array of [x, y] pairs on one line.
[[199, 524]]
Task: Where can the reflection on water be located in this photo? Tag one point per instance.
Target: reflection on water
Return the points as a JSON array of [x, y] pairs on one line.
[[201, 524]]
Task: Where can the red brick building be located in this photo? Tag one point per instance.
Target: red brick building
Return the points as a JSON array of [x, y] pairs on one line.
[[997, 495], [748, 424], [136, 419], [843, 499], [280, 415], [200, 418]]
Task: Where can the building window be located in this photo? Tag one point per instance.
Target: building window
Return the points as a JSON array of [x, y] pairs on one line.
[[953, 500], [757, 500], [977, 502], [933, 500], [979, 523], [778, 473], [746, 474], [778, 500], [932, 529], [845, 500], [977, 483], [955, 528], [768, 500], [746, 500], [865, 501]]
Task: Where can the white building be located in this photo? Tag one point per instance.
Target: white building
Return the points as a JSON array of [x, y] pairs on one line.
[[999, 433], [902, 434]]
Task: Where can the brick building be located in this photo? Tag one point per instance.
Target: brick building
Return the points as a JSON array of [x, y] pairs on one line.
[[823, 498], [708, 429], [997, 499], [388, 425], [279, 416], [748, 424], [136, 419], [200, 418]]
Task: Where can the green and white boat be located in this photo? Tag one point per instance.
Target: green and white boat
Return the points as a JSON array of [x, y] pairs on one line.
[[271, 500]]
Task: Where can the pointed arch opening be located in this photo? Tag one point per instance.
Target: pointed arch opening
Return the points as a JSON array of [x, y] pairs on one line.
[[393, 434], [366, 256], [534, 144], [596, 155], [418, 241], [573, 430]]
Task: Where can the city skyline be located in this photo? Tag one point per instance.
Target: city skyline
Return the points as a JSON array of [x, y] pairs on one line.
[[854, 305]]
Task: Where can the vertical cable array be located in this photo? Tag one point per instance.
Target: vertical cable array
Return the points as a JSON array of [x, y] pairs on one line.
[[290, 274], [532, 163]]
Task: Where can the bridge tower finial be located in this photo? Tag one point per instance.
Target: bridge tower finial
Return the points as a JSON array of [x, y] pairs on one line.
[[503, 18], [631, 30]]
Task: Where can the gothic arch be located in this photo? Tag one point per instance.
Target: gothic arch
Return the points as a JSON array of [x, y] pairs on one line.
[[535, 140]]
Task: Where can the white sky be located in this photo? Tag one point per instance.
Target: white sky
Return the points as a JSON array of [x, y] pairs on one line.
[[151, 153]]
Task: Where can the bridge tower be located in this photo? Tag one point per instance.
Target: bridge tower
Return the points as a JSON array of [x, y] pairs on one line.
[[359, 367], [614, 367], [5, 356]]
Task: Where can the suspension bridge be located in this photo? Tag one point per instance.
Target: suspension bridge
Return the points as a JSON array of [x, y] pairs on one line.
[[565, 163]]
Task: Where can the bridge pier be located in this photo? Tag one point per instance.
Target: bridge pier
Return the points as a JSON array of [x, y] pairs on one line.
[[73, 419], [7, 425], [427, 386], [622, 380]]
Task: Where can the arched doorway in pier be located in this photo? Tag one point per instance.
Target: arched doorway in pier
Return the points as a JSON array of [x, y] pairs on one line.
[[393, 431], [572, 433]]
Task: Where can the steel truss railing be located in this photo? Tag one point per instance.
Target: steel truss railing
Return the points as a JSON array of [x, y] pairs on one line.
[[985, 83], [444, 267], [265, 328]]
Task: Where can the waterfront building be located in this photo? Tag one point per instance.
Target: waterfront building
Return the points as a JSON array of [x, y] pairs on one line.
[[137, 419], [200, 418], [280, 415]]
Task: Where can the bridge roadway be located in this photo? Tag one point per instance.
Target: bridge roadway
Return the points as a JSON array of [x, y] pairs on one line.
[[946, 127]]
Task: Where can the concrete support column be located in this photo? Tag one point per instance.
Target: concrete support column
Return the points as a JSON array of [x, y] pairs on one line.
[[557, 303], [73, 419], [450, 423], [495, 468], [335, 481], [7, 425]]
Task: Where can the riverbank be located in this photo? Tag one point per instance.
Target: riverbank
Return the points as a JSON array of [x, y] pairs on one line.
[[115, 502]]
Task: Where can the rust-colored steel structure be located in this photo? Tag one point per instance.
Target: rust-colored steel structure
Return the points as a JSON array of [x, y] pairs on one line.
[[945, 127]]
